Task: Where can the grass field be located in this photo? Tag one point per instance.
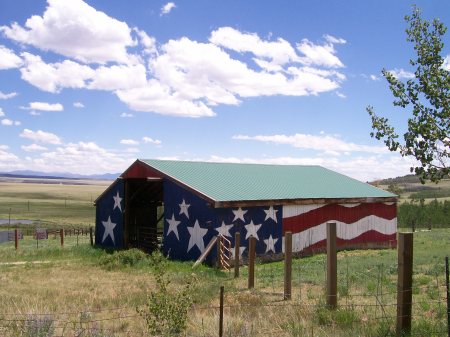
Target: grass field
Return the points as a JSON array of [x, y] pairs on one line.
[[50, 202], [73, 288], [429, 191], [80, 290]]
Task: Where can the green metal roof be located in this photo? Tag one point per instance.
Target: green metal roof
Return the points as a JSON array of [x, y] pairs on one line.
[[228, 182]]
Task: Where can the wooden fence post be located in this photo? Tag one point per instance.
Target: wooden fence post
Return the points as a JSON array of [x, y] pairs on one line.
[[237, 251], [251, 262], [16, 238], [221, 312], [61, 233], [288, 265], [91, 236], [404, 283], [331, 265], [448, 294]]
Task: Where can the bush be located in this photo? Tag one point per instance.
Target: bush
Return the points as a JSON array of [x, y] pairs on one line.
[[123, 258], [166, 312]]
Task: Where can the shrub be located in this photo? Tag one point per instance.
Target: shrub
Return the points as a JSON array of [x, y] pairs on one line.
[[166, 312], [129, 257]]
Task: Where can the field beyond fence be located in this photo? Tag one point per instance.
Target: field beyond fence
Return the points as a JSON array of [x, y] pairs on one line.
[[86, 291]]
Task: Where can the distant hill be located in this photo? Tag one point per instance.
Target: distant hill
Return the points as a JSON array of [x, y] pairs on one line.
[[54, 175]]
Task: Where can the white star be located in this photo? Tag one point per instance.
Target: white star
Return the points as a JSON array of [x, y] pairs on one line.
[[241, 250], [252, 230], [224, 230], [184, 208], [239, 214], [109, 230], [173, 226], [197, 233], [117, 200], [271, 213], [270, 243]]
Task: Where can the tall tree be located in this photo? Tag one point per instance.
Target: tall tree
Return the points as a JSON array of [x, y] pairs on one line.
[[426, 97]]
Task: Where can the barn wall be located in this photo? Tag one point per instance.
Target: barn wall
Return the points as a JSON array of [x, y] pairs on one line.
[[109, 216], [358, 225], [190, 224]]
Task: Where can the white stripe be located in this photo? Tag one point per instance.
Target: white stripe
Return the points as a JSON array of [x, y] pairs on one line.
[[344, 231], [349, 205], [293, 210]]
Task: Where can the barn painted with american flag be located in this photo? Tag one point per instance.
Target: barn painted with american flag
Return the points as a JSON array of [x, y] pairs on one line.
[[183, 205]]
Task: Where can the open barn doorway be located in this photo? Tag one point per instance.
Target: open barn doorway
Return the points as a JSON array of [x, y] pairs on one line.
[[144, 212]]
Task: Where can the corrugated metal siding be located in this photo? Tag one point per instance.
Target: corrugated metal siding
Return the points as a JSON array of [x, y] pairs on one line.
[[357, 224], [234, 182]]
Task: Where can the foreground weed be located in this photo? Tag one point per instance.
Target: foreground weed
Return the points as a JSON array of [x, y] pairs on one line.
[[39, 326], [166, 313]]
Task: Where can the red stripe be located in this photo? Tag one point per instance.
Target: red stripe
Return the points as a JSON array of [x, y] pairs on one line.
[[369, 239], [348, 215]]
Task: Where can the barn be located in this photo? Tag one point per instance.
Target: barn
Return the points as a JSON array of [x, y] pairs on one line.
[[183, 205]]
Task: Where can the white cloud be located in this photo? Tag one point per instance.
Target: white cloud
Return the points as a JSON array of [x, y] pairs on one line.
[[278, 52], [78, 105], [52, 77], [82, 158], [41, 136], [446, 64], [158, 98], [8, 59], [402, 74], [149, 140], [74, 29], [129, 142], [1, 112], [44, 106], [148, 42], [132, 150], [167, 8], [181, 77], [7, 96], [33, 148], [126, 115], [319, 55], [118, 77], [334, 40], [8, 160], [374, 78], [199, 71], [7, 122], [317, 143], [340, 94]]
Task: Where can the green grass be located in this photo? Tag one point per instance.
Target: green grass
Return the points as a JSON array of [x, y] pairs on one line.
[[51, 204]]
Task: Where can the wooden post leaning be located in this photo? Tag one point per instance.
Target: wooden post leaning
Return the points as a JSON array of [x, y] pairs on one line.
[[331, 265]]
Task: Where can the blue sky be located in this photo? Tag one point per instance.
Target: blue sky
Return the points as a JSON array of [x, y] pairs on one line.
[[88, 87]]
